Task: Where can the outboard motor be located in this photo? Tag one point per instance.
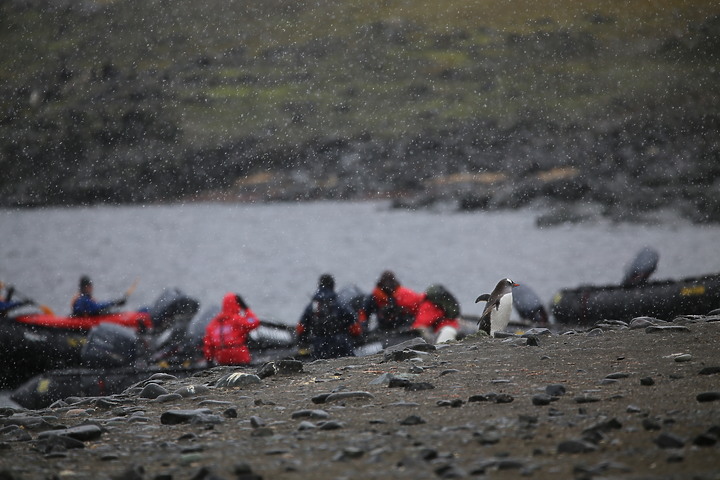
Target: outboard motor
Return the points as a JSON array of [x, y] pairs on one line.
[[528, 305], [196, 327], [351, 297], [641, 268], [110, 345], [182, 341], [172, 306]]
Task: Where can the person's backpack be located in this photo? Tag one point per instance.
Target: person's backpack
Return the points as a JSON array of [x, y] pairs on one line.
[[325, 316], [440, 296]]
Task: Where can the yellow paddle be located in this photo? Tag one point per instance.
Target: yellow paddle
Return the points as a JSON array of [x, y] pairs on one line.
[[132, 288], [46, 310]]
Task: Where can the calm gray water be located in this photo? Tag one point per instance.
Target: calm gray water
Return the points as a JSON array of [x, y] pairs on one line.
[[273, 253]]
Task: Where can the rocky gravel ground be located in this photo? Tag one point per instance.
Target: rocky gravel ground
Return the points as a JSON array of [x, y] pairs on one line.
[[633, 401]]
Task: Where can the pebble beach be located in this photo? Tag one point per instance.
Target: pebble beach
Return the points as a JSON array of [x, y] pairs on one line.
[[634, 400]]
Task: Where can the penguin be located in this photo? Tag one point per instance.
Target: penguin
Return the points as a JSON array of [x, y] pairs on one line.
[[496, 314]]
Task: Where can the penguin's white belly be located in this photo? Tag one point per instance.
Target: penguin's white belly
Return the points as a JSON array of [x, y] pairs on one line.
[[500, 318]]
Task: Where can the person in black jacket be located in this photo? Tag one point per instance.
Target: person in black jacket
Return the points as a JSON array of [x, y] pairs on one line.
[[327, 323]]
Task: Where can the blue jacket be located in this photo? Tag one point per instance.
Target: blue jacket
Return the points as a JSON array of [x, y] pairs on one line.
[[84, 305], [7, 306]]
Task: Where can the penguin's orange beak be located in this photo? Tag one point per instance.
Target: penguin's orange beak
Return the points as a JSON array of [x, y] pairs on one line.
[[516, 284]]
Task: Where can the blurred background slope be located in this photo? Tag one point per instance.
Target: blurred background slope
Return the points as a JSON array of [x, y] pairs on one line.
[[491, 104]]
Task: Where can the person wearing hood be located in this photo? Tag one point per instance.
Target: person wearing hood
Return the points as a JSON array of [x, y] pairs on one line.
[[85, 305], [225, 341], [327, 324], [437, 317], [394, 305]]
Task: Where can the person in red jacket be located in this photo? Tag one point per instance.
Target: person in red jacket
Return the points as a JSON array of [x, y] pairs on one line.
[[225, 341], [437, 316], [394, 305]]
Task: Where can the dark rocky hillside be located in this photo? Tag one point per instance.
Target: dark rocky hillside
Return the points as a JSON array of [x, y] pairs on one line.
[[589, 108]]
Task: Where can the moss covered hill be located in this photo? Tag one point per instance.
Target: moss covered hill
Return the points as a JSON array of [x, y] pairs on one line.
[[494, 103]]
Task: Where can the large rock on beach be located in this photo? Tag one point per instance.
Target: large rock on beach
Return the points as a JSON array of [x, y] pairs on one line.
[[575, 406]]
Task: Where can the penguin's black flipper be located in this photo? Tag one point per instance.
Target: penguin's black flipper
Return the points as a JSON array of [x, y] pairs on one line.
[[483, 298]]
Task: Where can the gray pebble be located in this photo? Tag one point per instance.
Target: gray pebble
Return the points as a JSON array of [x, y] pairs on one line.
[[51, 443], [607, 381], [349, 453], [288, 366], [667, 329], [216, 403], [257, 422], [542, 399], [604, 426], [83, 433], [306, 425], [586, 399], [174, 417], [418, 386], [503, 398], [576, 446], [330, 425], [237, 379], [168, 397], [267, 370], [192, 390], [402, 355], [397, 382], [669, 440], [705, 440], [152, 391], [450, 470], [418, 344], [708, 396], [162, 376], [386, 378], [509, 464], [340, 396], [650, 424], [709, 370], [13, 433], [412, 420], [600, 468], [487, 438], [317, 414], [642, 322], [537, 331], [262, 432], [555, 390], [106, 403]]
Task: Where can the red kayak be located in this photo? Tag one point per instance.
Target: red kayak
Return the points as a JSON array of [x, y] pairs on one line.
[[136, 320]]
